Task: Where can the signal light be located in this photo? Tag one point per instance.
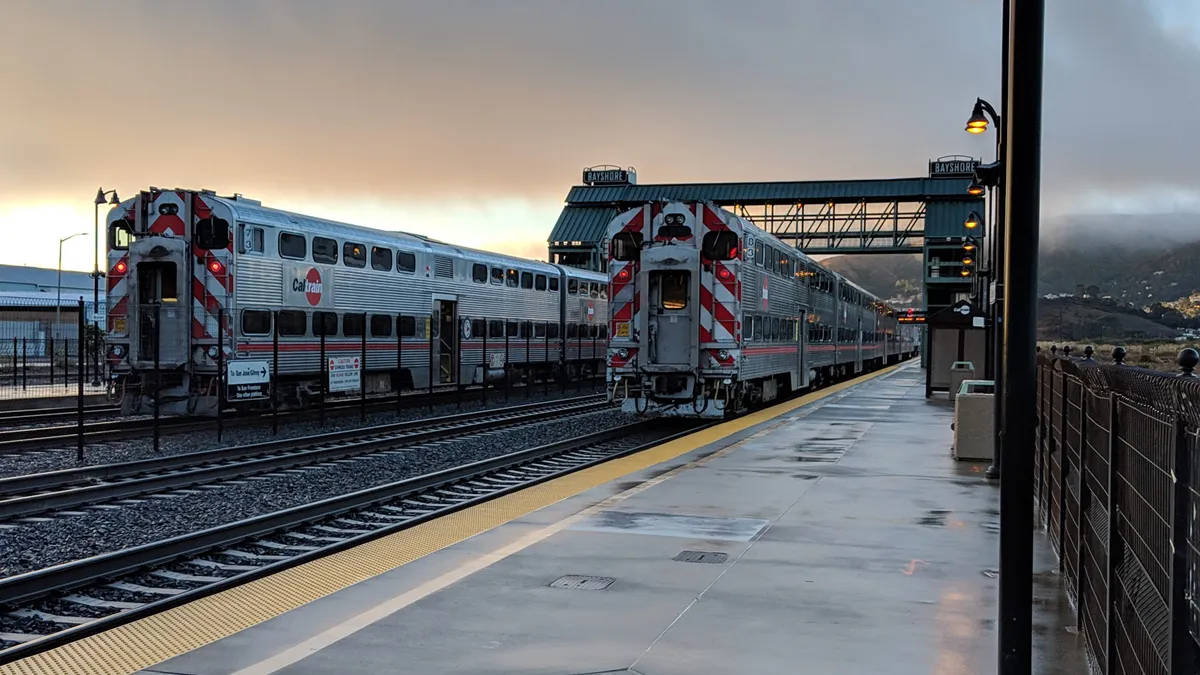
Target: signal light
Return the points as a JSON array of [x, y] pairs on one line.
[[724, 273], [216, 267], [120, 268], [623, 275]]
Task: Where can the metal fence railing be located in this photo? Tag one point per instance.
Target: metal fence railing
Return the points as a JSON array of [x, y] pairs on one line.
[[43, 343], [1117, 487]]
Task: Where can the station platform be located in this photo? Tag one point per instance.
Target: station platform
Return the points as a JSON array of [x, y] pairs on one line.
[[830, 534]]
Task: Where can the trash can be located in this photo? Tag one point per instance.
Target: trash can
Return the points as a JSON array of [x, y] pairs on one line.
[[974, 423], [959, 372]]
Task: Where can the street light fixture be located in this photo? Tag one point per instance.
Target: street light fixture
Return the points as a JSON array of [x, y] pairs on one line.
[[972, 221], [115, 201], [58, 302], [977, 123], [966, 272], [969, 244], [967, 260], [974, 189]]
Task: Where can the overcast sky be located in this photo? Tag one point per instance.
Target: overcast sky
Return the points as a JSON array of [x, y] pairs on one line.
[[469, 121]]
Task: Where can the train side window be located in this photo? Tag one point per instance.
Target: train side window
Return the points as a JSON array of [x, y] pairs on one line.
[[572, 287], [539, 282], [381, 325], [594, 290], [120, 235], [352, 325], [572, 331], [292, 246], [758, 328], [324, 323], [498, 276], [381, 259], [406, 262], [758, 253], [495, 328], [604, 331], [593, 331], [553, 284], [407, 326], [604, 291], [720, 245], [256, 322], [527, 280], [787, 268], [479, 273], [354, 255], [511, 278], [212, 233], [626, 246], [521, 331], [292, 323], [324, 250], [540, 330], [478, 326]]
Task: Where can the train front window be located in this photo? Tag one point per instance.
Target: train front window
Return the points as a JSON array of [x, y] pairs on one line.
[[673, 289], [120, 235], [720, 245], [626, 246]]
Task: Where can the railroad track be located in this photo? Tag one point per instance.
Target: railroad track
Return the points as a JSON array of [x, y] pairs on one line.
[[53, 606], [37, 438], [47, 493], [61, 413]]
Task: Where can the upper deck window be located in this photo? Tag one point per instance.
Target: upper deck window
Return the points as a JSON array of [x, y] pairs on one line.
[[354, 255], [325, 250], [572, 287], [293, 246], [479, 273], [406, 262], [526, 279], [758, 253], [539, 282], [553, 284], [511, 279], [497, 275], [381, 259]]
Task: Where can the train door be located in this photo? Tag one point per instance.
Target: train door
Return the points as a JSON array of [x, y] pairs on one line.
[[445, 340], [671, 316], [159, 283]]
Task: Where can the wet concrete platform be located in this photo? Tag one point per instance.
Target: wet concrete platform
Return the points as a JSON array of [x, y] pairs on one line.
[[840, 537]]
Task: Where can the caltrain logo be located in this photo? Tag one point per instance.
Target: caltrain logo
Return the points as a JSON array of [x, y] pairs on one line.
[[310, 286]]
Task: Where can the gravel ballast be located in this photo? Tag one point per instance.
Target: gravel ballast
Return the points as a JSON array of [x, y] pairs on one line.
[[142, 447], [34, 545]]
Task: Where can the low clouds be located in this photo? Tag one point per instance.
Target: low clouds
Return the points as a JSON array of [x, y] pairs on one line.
[[419, 101]]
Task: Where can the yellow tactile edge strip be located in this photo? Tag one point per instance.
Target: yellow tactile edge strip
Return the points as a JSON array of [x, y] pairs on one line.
[[143, 643]]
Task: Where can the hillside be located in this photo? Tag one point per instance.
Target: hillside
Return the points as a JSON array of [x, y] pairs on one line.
[[1142, 277], [1089, 319]]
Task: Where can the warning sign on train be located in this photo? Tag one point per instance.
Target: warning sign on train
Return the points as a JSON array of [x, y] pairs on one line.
[[247, 380], [345, 373]]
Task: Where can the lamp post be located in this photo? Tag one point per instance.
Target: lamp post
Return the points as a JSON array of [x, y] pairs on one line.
[[100, 199], [58, 296]]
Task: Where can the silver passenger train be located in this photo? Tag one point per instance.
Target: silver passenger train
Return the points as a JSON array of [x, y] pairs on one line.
[[710, 314], [227, 275]]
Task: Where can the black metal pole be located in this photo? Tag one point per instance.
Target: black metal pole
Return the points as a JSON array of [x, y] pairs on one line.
[[400, 360], [596, 366], [1022, 168], [157, 373], [220, 374], [456, 376], [528, 365], [14, 362], [362, 375], [94, 341], [486, 326], [79, 397], [324, 371], [24, 363], [274, 383], [506, 360], [52, 355], [431, 336], [998, 244], [549, 370]]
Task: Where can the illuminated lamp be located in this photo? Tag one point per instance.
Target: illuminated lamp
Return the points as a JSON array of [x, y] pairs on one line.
[[972, 220]]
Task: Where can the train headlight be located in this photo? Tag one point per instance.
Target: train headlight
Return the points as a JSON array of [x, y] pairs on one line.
[[623, 354], [722, 354], [212, 352], [118, 351], [727, 381]]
